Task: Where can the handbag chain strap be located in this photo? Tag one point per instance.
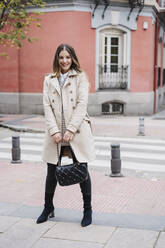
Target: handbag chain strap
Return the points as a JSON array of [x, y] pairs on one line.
[[61, 85], [58, 154], [74, 159]]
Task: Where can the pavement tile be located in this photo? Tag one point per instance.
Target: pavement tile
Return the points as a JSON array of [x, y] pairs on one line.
[[27, 211], [127, 195], [56, 243], [6, 222], [136, 221], [132, 238], [73, 231], [161, 241], [123, 202], [23, 234], [8, 209], [147, 222]]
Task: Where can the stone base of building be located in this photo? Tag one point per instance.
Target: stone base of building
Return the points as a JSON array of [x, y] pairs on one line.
[[21, 103], [129, 103], [160, 96]]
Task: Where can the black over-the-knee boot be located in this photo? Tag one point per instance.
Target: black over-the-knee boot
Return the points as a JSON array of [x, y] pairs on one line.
[[48, 209], [51, 183], [87, 217], [86, 193]]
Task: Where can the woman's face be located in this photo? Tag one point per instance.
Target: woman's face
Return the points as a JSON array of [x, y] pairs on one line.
[[65, 61]]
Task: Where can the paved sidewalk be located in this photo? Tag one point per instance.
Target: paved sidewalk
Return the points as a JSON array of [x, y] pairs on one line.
[[120, 126], [128, 212]]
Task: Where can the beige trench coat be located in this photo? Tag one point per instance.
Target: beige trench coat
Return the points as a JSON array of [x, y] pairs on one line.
[[75, 99]]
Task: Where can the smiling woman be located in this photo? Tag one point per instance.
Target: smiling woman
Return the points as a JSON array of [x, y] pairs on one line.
[[65, 61], [65, 99]]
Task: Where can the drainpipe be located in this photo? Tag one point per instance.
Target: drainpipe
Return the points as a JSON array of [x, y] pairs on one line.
[[155, 63], [19, 83]]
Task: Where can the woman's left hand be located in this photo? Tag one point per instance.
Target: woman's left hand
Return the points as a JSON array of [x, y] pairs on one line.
[[68, 136]]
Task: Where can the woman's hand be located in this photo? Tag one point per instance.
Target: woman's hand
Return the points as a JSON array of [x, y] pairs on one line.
[[57, 137], [68, 136]]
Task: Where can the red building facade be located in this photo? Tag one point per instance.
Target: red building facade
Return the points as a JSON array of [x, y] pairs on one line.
[[121, 54]]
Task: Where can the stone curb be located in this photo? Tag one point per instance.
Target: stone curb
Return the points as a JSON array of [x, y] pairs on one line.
[[159, 118], [21, 128]]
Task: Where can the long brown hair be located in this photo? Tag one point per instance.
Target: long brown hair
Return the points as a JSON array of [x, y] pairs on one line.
[[75, 63]]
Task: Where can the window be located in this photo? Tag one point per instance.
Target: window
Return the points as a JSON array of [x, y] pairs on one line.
[[111, 52], [113, 58], [112, 108]]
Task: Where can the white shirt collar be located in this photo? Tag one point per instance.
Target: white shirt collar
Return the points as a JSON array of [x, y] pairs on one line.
[[64, 75]]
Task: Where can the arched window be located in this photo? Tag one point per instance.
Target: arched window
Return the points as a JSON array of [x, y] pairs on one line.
[[113, 58], [111, 54]]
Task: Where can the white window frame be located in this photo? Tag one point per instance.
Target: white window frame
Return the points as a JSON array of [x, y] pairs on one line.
[[109, 36], [126, 49]]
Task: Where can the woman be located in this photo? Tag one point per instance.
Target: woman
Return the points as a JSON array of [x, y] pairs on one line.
[[65, 98]]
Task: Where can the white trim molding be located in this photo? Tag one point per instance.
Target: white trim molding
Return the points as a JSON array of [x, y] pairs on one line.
[[126, 47]]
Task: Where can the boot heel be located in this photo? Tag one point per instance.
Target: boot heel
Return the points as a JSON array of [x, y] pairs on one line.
[[51, 215]]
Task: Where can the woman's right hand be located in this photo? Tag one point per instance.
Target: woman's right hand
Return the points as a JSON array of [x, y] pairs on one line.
[[57, 137]]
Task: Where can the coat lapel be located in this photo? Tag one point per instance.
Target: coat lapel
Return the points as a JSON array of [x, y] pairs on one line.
[[69, 78], [56, 85], [68, 81], [55, 81]]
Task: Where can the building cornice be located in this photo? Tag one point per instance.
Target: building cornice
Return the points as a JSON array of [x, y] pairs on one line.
[[86, 5]]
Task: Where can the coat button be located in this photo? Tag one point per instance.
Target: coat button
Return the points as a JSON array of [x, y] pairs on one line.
[[71, 99], [71, 91], [69, 84], [53, 100], [74, 107], [78, 131]]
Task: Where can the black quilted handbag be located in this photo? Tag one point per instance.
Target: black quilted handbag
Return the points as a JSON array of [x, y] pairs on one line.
[[72, 173]]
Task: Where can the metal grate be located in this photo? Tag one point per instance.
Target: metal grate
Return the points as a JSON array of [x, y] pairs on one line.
[[113, 77], [110, 108], [135, 4]]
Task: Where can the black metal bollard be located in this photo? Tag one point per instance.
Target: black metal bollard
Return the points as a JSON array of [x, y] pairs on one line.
[[16, 151], [115, 161], [141, 126]]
